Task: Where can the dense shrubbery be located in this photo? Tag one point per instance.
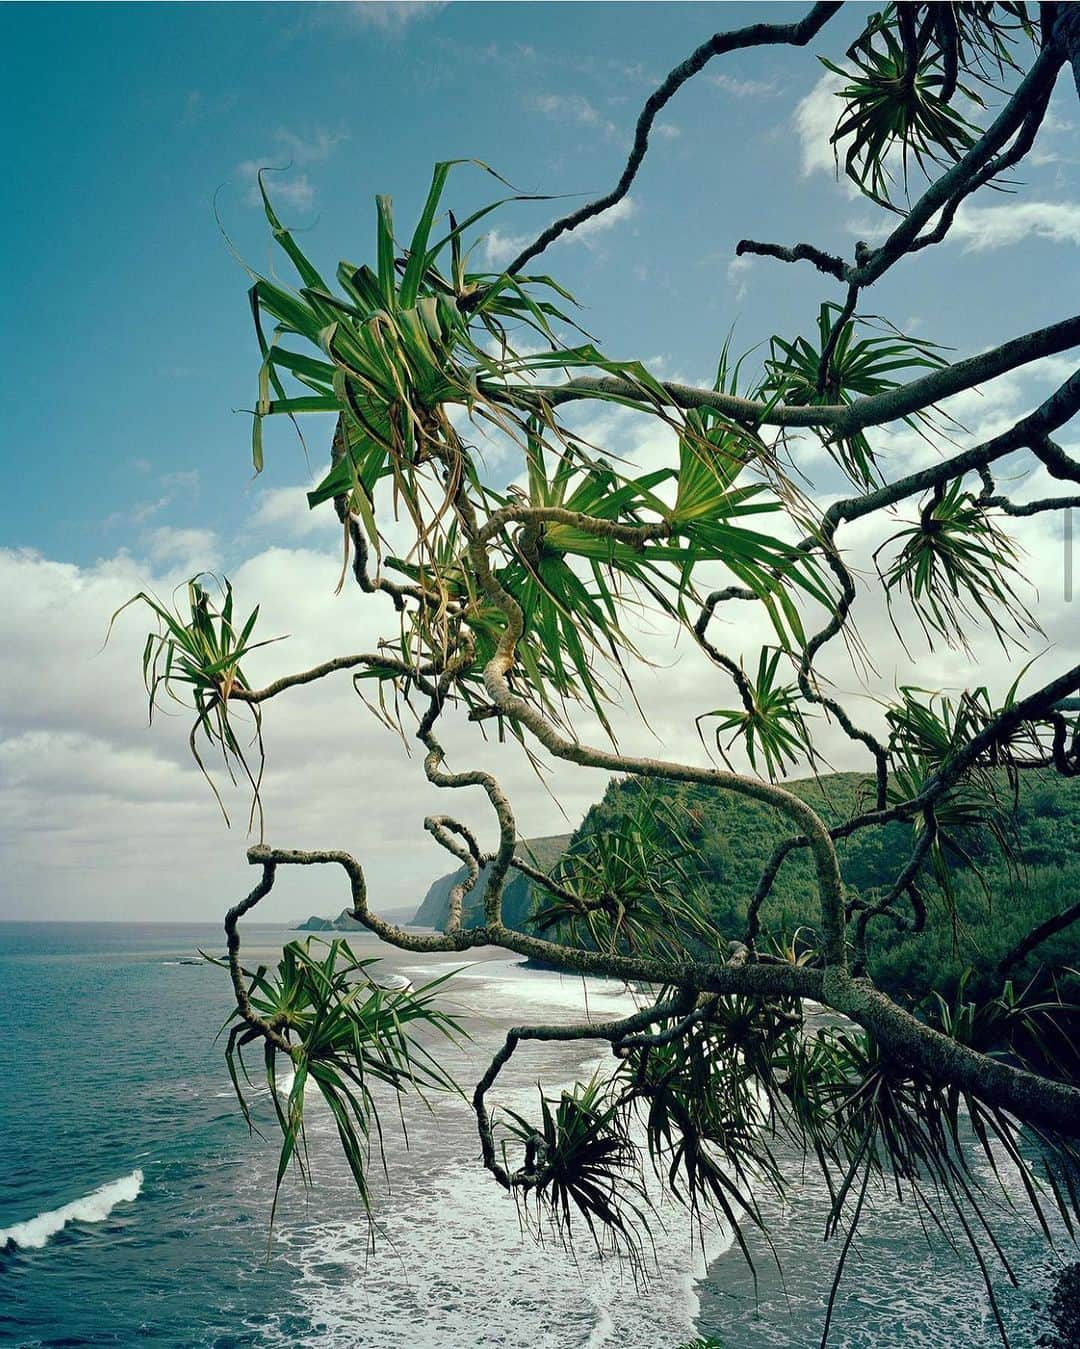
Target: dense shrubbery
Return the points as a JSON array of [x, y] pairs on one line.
[[981, 908]]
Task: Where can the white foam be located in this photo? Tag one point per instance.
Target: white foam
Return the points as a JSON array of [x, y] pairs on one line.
[[450, 1241], [602, 1331], [455, 1245], [94, 1207]]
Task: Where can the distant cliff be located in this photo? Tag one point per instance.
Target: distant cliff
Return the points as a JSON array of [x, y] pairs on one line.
[[344, 922], [517, 897], [993, 900]]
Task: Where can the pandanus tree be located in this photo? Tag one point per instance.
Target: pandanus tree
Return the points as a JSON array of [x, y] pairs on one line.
[[512, 610]]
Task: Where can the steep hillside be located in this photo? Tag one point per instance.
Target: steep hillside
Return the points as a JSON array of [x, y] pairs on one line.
[[344, 922], [996, 900], [517, 902], [733, 837]]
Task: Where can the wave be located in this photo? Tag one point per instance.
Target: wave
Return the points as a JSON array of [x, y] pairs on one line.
[[450, 1241], [94, 1207]]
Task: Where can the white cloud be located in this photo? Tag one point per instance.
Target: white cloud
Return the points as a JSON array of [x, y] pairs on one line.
[[573, 108], [607, 220], [737, 270], [102, 816], [392, 16], [296, 190], [309, 149], [286, 185], [284, 512], [145, 510], [815, 119], [739, 88], [194, 108], [499, 248], [185, 482], [186, 479], [982, 228], [191, 550]]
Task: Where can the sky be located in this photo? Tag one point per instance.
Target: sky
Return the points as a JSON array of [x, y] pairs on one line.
[[129, 209]]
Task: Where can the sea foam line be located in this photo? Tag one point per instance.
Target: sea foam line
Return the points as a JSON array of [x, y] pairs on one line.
[[94, 1207]]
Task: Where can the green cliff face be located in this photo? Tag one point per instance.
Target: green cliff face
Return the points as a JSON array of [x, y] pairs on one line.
[[993, 897]]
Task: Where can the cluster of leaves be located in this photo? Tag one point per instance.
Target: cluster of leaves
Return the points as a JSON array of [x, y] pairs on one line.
[[903, 78], [710, 1096], [1033, 1024], [634, 890], [702, 1097], [408, 342], [957, 567], [689, 1103], [926, 732], [348, 1037], [838, 365], [869, 1120], [398, 345], [199, 652], [582, 1161], [771, 724]]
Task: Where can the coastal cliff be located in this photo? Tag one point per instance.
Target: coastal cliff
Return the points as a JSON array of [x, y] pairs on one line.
[[517, 898], [344, 922]]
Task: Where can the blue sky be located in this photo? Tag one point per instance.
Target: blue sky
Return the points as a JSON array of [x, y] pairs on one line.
[[131, 344], [127, 344]]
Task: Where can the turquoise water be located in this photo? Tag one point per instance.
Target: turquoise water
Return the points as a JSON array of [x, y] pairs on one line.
[[108, 1069], [135, 1204], [116, 1100]]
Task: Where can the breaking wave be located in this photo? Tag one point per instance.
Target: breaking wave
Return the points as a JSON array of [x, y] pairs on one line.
[[94, 1207]]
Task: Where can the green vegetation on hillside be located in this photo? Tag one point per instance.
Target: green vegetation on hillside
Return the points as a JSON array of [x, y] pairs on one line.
[[996, 881], [980, 906]]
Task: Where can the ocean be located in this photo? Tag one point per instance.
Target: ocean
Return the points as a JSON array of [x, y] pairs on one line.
[[134, 1204]]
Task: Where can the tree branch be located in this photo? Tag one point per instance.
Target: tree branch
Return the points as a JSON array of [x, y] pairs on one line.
[[828, 263], [756, 35], [1050, 928], [846, 419], [1043, 73]]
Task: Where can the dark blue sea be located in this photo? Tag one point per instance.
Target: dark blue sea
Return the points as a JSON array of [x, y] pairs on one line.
[[134, 1204]]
